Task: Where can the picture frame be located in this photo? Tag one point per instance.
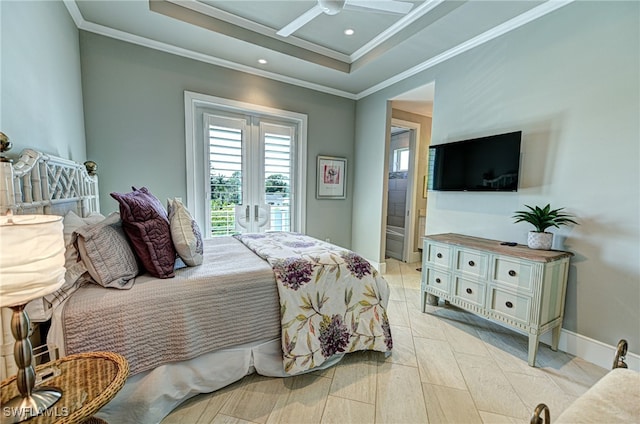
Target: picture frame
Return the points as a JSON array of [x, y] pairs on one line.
[[331, 177]]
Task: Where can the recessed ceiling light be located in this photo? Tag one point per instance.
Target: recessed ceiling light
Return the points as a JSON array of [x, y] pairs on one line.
[[349, 31], [262, 61]]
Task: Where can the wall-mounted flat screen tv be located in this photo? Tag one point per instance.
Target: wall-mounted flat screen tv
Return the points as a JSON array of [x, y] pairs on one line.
[[481, 164]]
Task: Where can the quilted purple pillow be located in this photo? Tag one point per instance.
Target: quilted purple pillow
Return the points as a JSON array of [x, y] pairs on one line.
[[146, 224]]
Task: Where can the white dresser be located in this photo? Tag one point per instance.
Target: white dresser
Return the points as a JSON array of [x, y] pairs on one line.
[[516, 286]]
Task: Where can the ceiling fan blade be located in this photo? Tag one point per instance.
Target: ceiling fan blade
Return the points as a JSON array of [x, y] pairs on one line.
[[388, 6], [300, 21]]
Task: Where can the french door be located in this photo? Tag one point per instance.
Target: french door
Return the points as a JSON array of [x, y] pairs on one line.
[[251, 164]]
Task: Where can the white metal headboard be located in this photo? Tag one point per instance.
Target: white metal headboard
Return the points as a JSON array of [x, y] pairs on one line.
[[38, 183]]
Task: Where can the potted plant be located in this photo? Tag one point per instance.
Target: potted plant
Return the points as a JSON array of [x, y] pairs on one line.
[[541, 219]]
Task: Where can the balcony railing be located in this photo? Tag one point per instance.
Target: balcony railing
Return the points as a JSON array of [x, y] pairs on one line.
[[223, 221]]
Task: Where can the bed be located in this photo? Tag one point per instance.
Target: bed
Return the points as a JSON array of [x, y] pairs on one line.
[[278, 304]]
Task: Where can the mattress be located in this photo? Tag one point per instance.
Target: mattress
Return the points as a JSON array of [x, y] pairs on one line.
[[229, 300]]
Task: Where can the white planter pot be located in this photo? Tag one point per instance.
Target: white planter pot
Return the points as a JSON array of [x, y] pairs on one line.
[[540, 241]]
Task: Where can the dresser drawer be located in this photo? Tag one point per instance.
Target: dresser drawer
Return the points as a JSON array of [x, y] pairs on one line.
[[438, 254], [471, 262], [470, 291], [437, 280], [510, 305], [513, 273]]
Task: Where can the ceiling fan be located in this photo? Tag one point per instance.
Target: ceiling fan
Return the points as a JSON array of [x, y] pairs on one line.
[[333, 7]]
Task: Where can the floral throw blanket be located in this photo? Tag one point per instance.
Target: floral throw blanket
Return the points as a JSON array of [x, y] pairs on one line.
[[331, 300]]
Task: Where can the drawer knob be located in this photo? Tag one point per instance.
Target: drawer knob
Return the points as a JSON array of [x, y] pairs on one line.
[[471, 263], [512, 273], [509, 305], [438, 280], [469, 290], [439, 256]]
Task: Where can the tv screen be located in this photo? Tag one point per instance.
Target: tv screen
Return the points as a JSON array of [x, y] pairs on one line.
[[481, 164]]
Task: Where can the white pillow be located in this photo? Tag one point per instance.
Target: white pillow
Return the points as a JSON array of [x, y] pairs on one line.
[[72, 222], [74, 268], [105, 251], [185, 233]]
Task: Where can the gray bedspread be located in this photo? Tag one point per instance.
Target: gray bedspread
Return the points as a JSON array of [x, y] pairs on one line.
[[229, 300]]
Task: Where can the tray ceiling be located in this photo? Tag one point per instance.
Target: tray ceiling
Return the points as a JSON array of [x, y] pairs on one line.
[[384, 48]]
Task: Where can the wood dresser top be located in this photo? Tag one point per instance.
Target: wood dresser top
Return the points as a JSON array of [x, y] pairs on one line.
[[519, 251]]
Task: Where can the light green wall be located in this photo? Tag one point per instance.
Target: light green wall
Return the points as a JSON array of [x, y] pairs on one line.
[[134, 111], [40, 90], [570, 82], [372, 119]]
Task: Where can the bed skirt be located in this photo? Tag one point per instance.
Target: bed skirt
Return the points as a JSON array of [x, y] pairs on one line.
[[150, 396]]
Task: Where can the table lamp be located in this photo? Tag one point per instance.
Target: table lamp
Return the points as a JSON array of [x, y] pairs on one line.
[[31, 266]]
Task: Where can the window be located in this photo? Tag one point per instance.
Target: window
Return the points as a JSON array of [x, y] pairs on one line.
[[401, 160], [252, 175]]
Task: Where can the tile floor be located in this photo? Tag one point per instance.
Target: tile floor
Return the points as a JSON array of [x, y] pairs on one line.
[[447, 366]]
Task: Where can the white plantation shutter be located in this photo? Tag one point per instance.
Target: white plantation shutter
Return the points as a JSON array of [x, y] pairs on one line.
[[278, 169], [225, 164], [251, 163], [246, 166]]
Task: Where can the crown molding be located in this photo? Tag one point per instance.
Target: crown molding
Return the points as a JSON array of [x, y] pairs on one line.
[[82, 24], [255, 36], [495, 32], [407, 20], [514, 23], [214, 12]]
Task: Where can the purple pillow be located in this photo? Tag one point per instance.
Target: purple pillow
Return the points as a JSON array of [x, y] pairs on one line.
[[145, 222]]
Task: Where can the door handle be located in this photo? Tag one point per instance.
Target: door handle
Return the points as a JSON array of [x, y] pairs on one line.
[[257, 211], [247, 212]]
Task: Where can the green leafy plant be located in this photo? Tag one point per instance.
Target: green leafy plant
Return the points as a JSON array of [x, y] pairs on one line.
[[543, 218]]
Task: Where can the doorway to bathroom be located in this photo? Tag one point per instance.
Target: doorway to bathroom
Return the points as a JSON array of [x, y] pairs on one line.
[[401, 192], [404, 204]]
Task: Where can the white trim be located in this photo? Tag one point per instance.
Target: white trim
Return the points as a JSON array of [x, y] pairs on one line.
[[590, 350], [486, 36], [194, 100], [246, 24], [189, 137], [74, 11], [201, 57], [518, 21], [380, 266], [412, 16], [418, 12]]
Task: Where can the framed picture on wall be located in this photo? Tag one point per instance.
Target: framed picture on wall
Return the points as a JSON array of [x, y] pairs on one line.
[[331, 178]]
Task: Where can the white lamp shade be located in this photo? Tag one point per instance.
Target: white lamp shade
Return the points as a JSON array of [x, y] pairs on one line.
[[31, 257]]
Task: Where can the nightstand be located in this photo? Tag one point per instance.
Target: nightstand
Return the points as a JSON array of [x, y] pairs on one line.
[[88, 381]]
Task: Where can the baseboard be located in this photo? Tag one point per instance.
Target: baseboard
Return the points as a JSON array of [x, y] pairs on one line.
[[380, 266], [590, 350], [414, 256]]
